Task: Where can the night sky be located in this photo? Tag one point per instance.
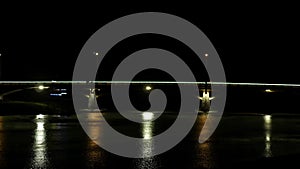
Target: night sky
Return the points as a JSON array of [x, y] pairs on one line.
[[256, 43]]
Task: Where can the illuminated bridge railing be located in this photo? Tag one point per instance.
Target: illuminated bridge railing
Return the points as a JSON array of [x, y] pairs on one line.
[[145, 82]]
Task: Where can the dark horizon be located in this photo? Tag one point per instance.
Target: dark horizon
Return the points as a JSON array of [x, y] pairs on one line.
[[255, 43]]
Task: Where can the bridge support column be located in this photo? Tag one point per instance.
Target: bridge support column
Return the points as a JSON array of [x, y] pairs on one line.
[[205, 101], [92, 102]]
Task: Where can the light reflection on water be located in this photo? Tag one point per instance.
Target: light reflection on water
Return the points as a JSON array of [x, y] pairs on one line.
[[94, 127], [94, 156], [2, 143], [147, 125], [1, 135], [147, 128], [54, 141], [147, 146], [93, 153], [39, 148], [206, 159], [268, 129], [204, 153]]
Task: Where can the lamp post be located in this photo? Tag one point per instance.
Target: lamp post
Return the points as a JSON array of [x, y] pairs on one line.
[[206, 55]]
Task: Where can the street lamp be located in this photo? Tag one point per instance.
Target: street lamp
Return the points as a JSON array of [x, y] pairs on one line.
[[206, 56], [42, 87], [148, 88]]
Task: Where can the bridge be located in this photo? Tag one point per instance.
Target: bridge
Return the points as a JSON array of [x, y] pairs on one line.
[[205, 97]]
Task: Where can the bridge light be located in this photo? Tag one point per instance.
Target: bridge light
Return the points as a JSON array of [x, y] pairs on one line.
[[147, 116], [269, 90], [148, 88], [42, 87]]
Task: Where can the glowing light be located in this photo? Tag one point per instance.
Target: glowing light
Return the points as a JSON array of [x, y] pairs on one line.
[[39, 127], [148, 88], [55, 94], [40, 116], [205, 54], [269, 90], [147, 116], [205, 96], [42, 87], [268, 137], [267, 119]]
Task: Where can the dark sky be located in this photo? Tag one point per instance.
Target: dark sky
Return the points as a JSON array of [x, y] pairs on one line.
[[256, 42]]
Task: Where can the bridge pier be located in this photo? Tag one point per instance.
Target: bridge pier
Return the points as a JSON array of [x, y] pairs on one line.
[[92, 102], [205, 99]]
